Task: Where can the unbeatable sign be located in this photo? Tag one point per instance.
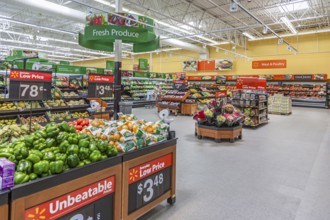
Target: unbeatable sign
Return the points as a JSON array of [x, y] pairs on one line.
[[149, 181], [30, 85], [94, 201], [100, 86]]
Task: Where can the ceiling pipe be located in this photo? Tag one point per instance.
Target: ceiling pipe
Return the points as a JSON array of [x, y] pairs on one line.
[[44, 6]]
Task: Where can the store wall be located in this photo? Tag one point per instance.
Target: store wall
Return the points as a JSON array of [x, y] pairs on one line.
[[313, 57]]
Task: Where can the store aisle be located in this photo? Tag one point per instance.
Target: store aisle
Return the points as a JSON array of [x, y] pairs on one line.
[[278, 171]]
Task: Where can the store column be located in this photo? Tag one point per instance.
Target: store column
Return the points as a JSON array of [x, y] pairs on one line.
[[118, 54]]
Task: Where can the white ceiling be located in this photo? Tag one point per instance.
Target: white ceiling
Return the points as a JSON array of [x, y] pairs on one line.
[[201, 22]]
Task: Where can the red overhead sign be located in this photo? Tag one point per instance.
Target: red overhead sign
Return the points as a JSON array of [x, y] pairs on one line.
[[268, 64], [251, 83], [30, 75]]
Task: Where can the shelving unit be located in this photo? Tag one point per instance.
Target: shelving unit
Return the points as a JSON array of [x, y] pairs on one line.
[[254, 105], [172, 100]]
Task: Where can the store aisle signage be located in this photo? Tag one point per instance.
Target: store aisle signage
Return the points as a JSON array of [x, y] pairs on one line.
[[251, 83], [221, 94], [269, 64], [303, 77], [149, 181], [94, 201], [143, 64], [30, 85], [103, 29], [100, 86]]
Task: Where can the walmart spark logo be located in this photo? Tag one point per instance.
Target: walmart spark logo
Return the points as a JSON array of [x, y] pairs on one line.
[[91, 78], [14, 74], [38, 215], [133, 175], [239, 82]]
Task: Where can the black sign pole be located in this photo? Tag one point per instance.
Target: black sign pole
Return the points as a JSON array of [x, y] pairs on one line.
[[117, 89]]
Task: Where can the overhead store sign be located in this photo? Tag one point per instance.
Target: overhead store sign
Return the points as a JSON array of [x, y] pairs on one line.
[[201, 78], [103, 29], [24, 53], [68, 69], [143, 64], [269, 64], [284, 77], [251, 83], [223, 64], [206, 65]]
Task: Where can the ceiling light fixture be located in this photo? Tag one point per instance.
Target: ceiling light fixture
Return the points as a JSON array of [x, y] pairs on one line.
[[265, 30], [248, 35], [287, 22], [292, 6]]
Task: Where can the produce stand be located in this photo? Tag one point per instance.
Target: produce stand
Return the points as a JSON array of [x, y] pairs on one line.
[[4, 205], [218, 133], [188, 109], [148, 178], [92, 190]]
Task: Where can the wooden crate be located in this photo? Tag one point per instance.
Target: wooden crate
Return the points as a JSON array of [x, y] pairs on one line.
[[4, 207], [140, 193], [218, 133], [188, 109], [34, 199]]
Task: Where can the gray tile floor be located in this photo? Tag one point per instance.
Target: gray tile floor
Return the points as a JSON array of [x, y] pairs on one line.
[[278, 171]]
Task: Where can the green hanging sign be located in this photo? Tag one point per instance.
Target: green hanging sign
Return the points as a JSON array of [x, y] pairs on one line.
[[143, 64], [102, 30], [64, 62], [68, 69], [141, 74]]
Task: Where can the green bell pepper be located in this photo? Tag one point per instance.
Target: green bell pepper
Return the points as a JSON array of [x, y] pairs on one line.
[[83, 143], [40, 134], [64, 146], [41, 167], [92, 146], [87, 162], [49, 156], [56, 167], [72, 149], [33, 158], [50, 142], [36, 152], [103, 157], [28, 140], [33, 176], [20, 178], [102, 146], [62, 136], [53, 133], [6, 155], [73, 160], [72, 129], [73, 139], [95, 156], [7, 150], [24, 166], [64, 126], [83, 136], [83, 153], [61, 157], [112, 151], [81, 164], [21, 151]]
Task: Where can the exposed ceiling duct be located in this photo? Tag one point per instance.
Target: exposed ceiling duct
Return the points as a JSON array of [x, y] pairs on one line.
[[44, 6]]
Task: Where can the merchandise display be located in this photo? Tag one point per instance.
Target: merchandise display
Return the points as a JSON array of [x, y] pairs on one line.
[[172, 100], [254, 105], [279, 104]]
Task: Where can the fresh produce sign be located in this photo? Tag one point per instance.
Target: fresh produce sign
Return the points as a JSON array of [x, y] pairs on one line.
[[149, 181], [30, 85], [68, 203], [100, 85], [103, 29]]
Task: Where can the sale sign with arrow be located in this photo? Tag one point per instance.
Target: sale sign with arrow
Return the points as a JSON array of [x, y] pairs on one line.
[[30, 85], [100, 86]]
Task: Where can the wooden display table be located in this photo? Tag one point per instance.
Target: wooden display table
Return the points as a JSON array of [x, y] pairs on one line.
[[188, 108], [218, 133], [89, 192], [148, 178], [4, 208]]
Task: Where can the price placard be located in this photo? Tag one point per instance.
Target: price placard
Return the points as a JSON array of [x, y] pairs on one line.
[[149, 181], [30, 85], [100, 86]]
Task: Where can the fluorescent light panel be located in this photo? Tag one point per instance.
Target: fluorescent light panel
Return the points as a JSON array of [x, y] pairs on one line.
[[286, 21], [293, 6], [247, 34]]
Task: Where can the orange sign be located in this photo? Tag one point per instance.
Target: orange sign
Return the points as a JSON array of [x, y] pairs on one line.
[[269, 64], [72, 201], [206, 65], [149, 168]]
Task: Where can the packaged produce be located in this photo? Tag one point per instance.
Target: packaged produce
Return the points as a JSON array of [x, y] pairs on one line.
[[7, 169]]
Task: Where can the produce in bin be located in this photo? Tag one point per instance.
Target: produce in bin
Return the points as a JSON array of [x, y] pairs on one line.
[[80, 124], [53, 150], [55, 103], [12, 132], [4, 122], [76, 102], [34, 119], [57, 93], [27, 105], [7, 106], [58, 116], [128, 133], [80, 115], [70, 94]]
